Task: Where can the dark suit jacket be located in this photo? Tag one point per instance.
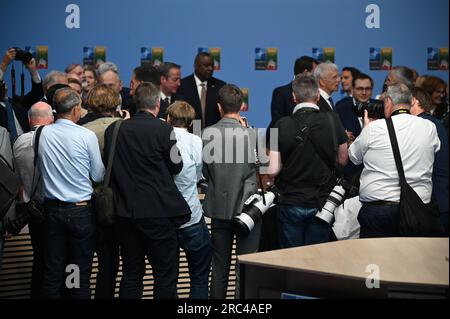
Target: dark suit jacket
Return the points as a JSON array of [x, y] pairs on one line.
[[142, 170], [22, 105], [349, 120], [188, 89], [323, 105], [440, 166], [282, 103], [127, 101], [163, 105]]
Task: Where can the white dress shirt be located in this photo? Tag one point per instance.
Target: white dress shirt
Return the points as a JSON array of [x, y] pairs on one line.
[[190, 147], [326, 96], [418, 142]]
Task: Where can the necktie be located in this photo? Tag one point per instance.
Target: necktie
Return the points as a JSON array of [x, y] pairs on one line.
[[203, 102], [11, 122], [167, 100], [331, 102]]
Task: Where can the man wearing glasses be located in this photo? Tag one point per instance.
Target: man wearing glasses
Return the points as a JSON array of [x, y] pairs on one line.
[[362, 92]]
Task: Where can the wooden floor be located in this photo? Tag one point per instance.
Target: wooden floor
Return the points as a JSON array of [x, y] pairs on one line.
[[15, 276]]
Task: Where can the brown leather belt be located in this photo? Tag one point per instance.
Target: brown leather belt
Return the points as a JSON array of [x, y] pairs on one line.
[[55, 202]]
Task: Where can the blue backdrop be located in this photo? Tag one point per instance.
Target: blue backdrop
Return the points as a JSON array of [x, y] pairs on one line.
[[237, 27]]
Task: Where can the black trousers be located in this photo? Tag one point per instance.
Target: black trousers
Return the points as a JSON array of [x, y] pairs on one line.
[[36, 229], [107, 248], [156, 239]]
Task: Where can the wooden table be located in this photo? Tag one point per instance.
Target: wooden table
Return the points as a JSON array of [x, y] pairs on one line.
[[405, 267]]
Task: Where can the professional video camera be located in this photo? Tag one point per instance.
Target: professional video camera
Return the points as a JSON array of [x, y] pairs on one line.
[[340, 192], [254, 208], [375, 109], [22, 55]]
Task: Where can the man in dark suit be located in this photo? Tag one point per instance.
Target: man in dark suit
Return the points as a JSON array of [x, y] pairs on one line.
[[19, 105], [148, 205], [200, 90], [108, 73], [282, 100], [421, 106], [143, 73], [362, 92], [170, 77], [327, 75]]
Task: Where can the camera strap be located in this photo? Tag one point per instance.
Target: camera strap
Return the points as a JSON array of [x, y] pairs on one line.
[[13, 80], [36, 150], [22, 83], [303, 129]]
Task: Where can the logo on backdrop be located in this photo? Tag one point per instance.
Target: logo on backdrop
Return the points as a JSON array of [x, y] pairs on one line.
[[266, 59], [380, 59], [73, 19], [437, 59], [323, 54], [152, 56]]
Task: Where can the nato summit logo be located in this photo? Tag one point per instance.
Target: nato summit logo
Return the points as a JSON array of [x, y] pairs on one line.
[[437, 59], [266, 59], [88, 56]]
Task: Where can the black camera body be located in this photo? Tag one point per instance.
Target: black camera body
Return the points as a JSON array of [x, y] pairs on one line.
[[22, 55], [374, 108]]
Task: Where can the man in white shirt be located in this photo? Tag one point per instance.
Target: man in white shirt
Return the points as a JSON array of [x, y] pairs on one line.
[[380, 189], [193, 236], [39, 114]]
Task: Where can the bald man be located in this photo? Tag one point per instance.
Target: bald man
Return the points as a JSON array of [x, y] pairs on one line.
[[39, 114]]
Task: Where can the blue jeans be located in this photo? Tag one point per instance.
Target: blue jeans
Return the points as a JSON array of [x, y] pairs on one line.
[[298, 226], [196, 243], [379, 220], [69, 237]]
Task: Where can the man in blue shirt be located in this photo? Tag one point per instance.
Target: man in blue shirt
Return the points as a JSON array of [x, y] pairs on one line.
[[69, 158]]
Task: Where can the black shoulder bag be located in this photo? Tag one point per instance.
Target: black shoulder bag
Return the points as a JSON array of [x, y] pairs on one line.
[[104, 196], [417, 219]]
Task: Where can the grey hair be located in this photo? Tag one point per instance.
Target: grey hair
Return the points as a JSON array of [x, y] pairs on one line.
[[323, 69], [107, 66], [399, 94], [65, 100], [403, 75], [305, 88], [146, 96], [36, 112], [52, 78]]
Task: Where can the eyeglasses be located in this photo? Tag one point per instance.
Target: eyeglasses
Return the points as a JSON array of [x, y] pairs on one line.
[[360, 89]]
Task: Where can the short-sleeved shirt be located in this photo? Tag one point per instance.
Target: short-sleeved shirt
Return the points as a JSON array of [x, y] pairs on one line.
[[305, 179]]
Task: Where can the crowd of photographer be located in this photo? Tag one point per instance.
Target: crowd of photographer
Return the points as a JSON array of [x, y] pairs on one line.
[[80, 145]]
